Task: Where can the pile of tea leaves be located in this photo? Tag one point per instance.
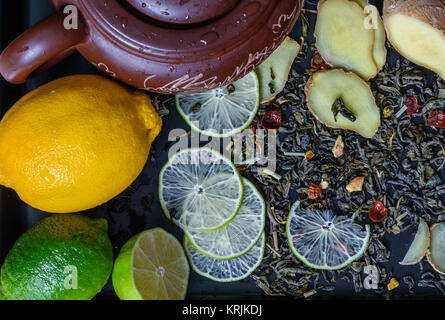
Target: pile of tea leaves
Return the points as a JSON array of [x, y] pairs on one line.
[[403, 166]]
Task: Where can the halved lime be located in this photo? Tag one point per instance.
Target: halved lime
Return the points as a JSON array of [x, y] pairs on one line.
[[322, 240], [238, 236], [151, 266], [224, 111], [226, 270], [200, 190]]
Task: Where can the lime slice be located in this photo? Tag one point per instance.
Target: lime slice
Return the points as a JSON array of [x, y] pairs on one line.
[[224, 111], [226, 270], [151, 266], [324, 241], [240, 235], [200, 190]]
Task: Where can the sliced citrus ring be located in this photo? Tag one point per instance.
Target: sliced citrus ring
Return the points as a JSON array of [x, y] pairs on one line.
[[238, 236], [324, 241], [224, 111], [226, 270], [200, 190], [151, 266]]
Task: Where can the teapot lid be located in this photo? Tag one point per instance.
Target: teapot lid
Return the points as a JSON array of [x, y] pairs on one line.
[[183, 11]]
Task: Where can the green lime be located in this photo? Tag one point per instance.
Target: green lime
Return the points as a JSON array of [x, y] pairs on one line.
[[224, 111], [200, 190], [62, 257], [151, 266], [226, 270], [240, 234], [322, 240]]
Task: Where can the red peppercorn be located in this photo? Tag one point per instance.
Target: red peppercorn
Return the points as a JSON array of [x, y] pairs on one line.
[[412, 105], [317, 62], [378, 212], [436, 119], [272, 120], [314, 191]]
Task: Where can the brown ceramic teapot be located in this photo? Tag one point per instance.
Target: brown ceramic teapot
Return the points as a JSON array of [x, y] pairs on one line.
[[165, 46]]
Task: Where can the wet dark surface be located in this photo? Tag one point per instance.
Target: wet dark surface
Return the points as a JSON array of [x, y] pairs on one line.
[[138, 208]]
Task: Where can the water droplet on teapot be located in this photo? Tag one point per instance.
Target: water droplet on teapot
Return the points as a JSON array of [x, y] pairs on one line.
[[23, 49], [251, 8], [124, 22], [209, 37], [144, 4]]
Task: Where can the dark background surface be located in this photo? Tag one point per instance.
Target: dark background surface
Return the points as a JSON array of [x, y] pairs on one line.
[[138, 208]]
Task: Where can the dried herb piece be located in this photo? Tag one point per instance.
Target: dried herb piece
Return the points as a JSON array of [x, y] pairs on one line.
[[339, 107], [230, 89], [324, 184], [196, 107], [338, 147], [356, 184], [393, 284], [309, 155], [314, 191], [378, 212]]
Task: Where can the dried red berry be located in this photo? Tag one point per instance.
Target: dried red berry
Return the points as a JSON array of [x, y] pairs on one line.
[[272, 120], [412, 105], [317, 62], [436, 119], [378, 212], [314, 191]]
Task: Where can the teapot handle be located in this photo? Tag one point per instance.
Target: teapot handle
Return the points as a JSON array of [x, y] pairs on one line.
[[40, 47]]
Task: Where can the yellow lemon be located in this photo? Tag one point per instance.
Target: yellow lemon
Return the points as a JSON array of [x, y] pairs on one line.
[[76, 142]]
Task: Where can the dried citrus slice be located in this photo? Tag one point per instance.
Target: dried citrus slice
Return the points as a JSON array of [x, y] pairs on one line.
[[240, 234], [200, 190], [226, 270], [324, 241], [224, 111]]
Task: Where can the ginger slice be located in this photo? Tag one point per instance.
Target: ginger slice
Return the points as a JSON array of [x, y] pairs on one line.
[[436, 251], [273, 73], [416, 29], [379, 49], [328, 90], [343, 40]]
